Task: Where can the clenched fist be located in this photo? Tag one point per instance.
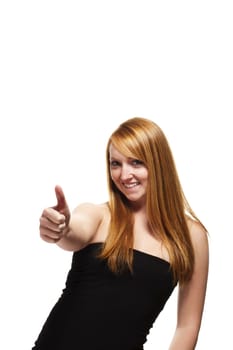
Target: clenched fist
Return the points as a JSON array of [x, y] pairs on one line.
[[54, 221]]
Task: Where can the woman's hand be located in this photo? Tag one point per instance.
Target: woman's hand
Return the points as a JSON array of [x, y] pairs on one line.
[[54, 221]]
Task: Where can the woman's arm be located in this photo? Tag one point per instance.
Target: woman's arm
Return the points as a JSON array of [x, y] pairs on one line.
[[83, 226], [191, 296], [70, 232]]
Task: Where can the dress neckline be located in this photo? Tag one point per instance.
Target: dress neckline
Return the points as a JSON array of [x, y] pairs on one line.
[[136, 251]]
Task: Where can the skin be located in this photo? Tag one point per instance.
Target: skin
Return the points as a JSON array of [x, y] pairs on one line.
[[89, 223], [130, 176]]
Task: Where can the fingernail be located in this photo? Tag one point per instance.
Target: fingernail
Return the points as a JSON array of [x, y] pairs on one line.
[[61, 227]]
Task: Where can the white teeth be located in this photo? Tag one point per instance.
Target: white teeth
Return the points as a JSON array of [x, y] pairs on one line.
[[131, 185]]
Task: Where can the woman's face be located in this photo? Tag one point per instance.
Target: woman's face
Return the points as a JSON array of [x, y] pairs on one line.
[[129, 175]]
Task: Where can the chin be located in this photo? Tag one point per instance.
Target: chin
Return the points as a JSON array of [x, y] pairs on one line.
[[135, 198]]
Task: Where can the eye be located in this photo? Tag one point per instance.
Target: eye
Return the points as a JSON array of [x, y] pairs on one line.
[[136, 162], [114, 163]]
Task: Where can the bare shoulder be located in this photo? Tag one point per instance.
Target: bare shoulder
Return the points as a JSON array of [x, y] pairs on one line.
[[197, 232], [199, 237], [97, 211], [86, 219]]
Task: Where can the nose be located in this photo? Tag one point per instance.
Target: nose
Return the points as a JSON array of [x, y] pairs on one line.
[[126, 172]]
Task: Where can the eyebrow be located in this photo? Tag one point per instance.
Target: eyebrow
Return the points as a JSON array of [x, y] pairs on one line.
[[129, 158]]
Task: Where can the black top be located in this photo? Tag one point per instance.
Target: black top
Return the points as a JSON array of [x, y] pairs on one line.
[[99, 310]]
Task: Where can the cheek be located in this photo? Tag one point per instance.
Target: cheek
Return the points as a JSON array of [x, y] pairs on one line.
[[114, 175], [144, 175], [114, 179], [111, 174]]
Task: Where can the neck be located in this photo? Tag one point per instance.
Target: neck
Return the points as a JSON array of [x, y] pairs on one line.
[[138, 207]]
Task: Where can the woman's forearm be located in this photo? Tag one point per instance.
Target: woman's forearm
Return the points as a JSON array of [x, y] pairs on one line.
[[185, 338]]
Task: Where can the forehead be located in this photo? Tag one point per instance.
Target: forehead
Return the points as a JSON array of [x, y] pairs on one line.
[[115, 153]]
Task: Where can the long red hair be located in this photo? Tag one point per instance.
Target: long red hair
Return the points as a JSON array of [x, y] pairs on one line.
[[166, 207]]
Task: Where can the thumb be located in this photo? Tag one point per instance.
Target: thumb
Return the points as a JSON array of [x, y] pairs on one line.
[[61, 205]]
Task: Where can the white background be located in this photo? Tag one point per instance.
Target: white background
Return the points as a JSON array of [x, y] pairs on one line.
[[71, 71]]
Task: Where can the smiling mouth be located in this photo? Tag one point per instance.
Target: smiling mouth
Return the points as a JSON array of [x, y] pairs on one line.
[[131, 185]]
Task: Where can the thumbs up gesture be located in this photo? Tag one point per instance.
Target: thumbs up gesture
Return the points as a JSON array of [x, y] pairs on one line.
[[54, 221]]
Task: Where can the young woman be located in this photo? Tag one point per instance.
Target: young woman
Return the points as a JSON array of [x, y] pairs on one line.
[[130, 253]]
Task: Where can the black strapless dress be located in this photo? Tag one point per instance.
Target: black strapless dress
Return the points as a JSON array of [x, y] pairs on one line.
[[99, 310]]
